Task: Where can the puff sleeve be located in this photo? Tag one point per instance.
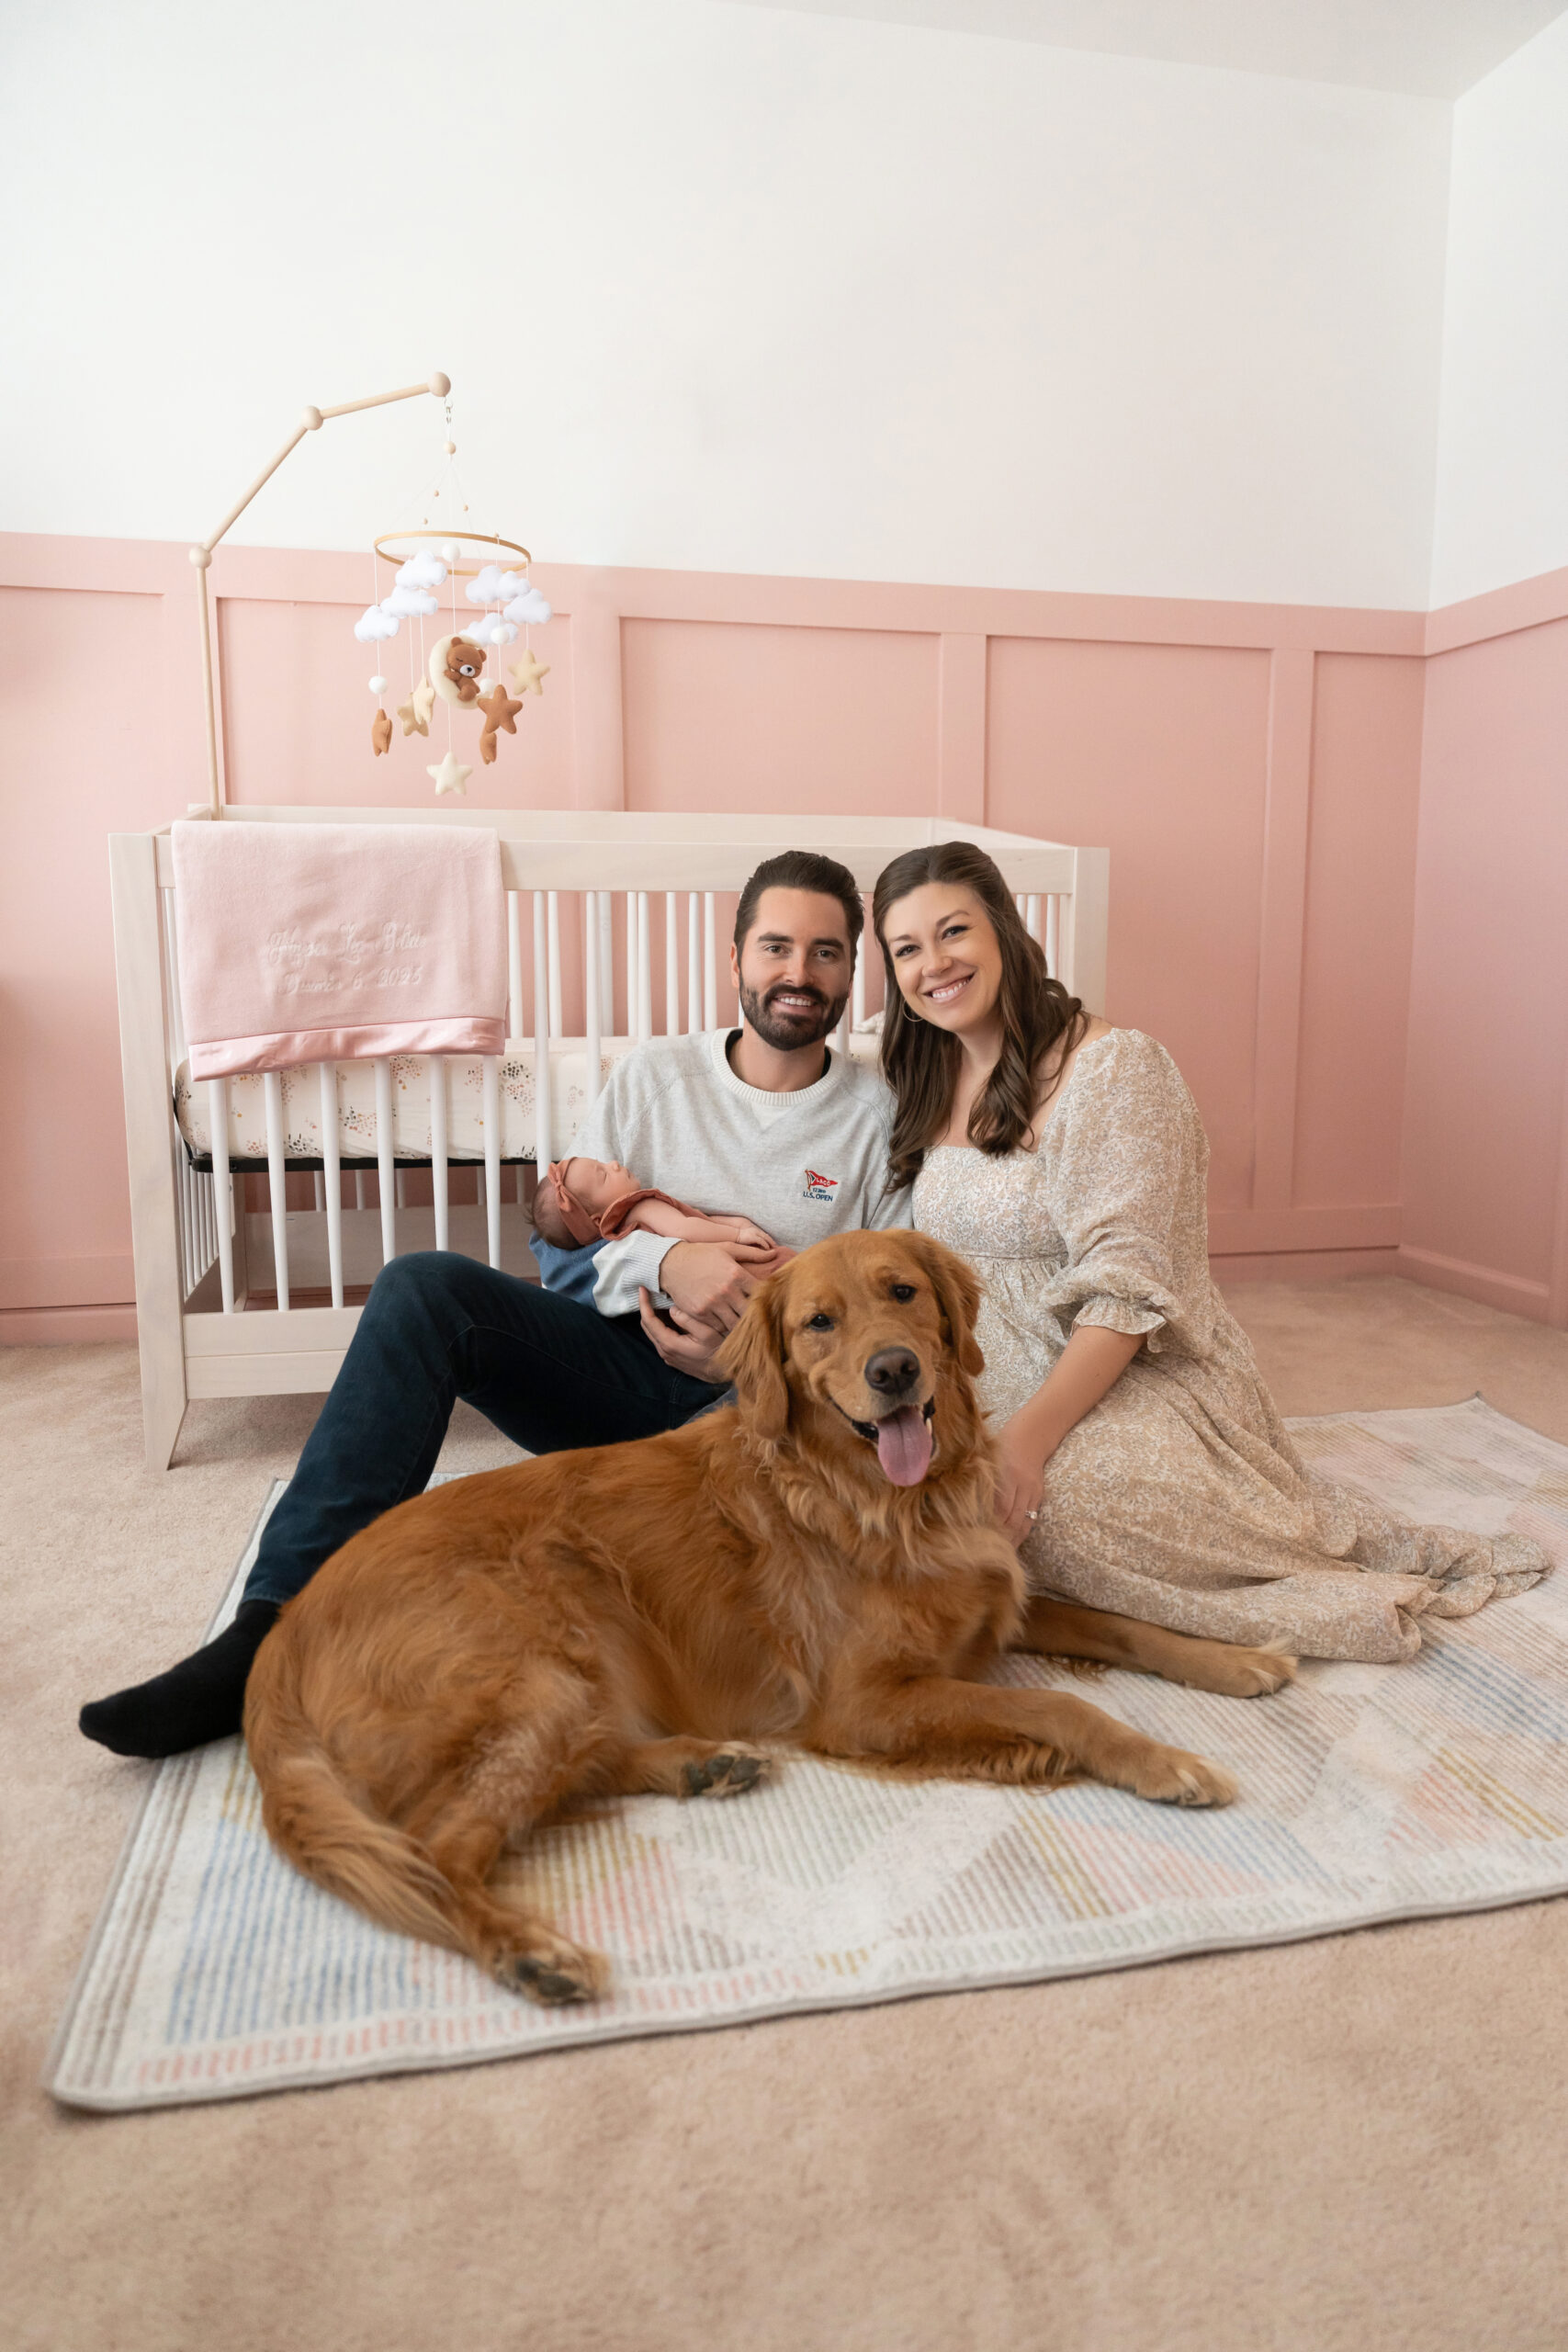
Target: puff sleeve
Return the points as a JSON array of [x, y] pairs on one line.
[[1126, 1164]]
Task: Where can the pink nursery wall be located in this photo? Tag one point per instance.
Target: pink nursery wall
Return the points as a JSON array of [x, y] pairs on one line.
[[1486, 1114], [1254, 769]]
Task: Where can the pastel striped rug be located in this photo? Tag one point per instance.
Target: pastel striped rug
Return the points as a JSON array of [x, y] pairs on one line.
[[1368, 1793]]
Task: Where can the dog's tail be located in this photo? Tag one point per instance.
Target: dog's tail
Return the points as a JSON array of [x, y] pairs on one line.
[[313, 1817]]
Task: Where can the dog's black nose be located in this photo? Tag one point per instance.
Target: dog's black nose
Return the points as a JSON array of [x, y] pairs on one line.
[[893, 1371]]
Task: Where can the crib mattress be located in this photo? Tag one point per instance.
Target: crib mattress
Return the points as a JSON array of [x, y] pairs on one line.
[[358, 1137]]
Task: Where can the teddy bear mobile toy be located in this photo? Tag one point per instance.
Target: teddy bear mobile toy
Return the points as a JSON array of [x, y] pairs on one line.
[[453, 674]]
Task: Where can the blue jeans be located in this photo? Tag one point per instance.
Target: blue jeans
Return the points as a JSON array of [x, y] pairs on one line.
[[549, 1373]]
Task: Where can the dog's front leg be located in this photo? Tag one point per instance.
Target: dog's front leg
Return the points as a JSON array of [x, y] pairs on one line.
[[941, 1728]]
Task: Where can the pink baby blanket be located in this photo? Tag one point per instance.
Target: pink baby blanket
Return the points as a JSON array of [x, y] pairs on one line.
[[336, 943]]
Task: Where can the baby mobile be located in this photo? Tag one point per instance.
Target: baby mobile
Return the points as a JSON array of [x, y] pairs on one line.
[[452, 677]]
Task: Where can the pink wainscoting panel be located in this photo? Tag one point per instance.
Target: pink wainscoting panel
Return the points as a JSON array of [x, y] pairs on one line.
[[1484, 1173], [752, 716], [1366, 782], [297, 713], [1159, 751], [82, 676]]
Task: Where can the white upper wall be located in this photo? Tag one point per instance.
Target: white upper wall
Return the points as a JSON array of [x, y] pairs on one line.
[[1502, 445], [726, 287]]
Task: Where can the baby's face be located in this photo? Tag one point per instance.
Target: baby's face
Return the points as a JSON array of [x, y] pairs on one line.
[[597, 1182]]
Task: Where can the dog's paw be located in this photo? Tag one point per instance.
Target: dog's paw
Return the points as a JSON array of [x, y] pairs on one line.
[[554, 1973], [1170, 1776], [1233, 1672], [729, 1773]]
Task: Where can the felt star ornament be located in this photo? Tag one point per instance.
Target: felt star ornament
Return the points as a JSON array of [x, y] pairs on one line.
[[530, 672], [423, 701], [500, 710], [380, 733], [413, 723], [450, 776]]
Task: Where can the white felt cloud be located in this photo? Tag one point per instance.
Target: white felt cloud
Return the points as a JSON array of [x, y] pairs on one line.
[[530, 609], [373, 625], [404, 603], [422, 571], [485, 587], [510, 584]]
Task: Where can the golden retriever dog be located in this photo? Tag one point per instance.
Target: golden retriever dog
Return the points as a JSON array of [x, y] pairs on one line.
[[815, 1566]]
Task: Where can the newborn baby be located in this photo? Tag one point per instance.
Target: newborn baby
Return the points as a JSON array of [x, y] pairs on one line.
[[582, 1200]]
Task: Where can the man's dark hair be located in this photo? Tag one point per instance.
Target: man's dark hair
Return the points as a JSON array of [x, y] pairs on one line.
[[801, 870]]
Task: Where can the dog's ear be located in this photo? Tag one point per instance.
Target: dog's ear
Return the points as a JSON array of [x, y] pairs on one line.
[[958, 1296], [753, 1357]]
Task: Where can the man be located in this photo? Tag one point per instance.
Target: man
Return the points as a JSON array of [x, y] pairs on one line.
[[764, 1119]]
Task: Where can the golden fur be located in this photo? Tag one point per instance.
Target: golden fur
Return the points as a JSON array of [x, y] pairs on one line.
[[637, 1618]]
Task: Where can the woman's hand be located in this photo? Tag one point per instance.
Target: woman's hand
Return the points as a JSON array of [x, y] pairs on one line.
[[1021, 1479]]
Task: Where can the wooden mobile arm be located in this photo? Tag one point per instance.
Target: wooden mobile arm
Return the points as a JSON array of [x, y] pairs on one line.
[[310, 422]]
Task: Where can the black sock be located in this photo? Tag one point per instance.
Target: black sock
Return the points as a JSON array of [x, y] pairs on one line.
[[201, 1699]]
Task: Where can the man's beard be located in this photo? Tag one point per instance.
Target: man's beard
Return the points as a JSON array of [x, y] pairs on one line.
[[785, 1032]]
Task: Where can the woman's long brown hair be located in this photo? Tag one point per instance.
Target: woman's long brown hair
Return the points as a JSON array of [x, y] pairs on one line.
[[921, 1061]]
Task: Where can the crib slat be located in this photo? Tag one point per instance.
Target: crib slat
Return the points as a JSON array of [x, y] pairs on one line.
[[1052, 903], [592, 963], [1031, 914], [438, 1185], [631, 964], [671, 968], [331, 1179], [606, 962], [857, 986], [710, 965], [513, 970], [360, 1188], [644, 973], [543, 1151], [386, 1189], [693, 964], [277, 1184], [553, 921], [319, 1189], [492, 1156], [401, 1188]]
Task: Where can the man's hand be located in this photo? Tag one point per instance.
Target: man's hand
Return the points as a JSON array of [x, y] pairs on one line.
[[704, 1280], [692, 1348]]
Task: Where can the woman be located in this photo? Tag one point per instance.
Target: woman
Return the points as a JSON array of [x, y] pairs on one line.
[[1143, 1467]]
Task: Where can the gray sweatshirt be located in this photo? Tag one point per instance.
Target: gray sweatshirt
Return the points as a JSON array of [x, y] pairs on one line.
[[802, 1165]]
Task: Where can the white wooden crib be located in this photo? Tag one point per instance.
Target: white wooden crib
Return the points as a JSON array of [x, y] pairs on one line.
[[618, 932]]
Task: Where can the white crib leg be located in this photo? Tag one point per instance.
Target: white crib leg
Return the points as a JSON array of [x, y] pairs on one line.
[[222, 1186], [385, 1185], [492, 1156], [330, 1181], [277, 1184], [439, 1186]]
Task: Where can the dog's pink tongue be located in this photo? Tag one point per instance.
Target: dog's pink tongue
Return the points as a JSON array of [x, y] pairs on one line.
[[904, 1445]]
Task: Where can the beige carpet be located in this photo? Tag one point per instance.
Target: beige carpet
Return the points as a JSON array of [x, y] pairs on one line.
[[1315, 2146]]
